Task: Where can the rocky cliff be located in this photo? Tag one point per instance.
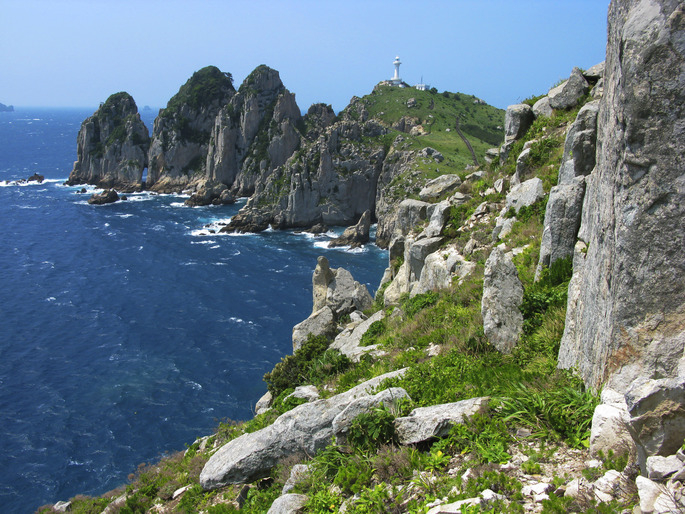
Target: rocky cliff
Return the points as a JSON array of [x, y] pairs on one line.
[[626, 316], [112, 146], [182, 131]]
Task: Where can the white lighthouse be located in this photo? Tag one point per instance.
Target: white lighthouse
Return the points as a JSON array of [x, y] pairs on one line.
[[396, 80]]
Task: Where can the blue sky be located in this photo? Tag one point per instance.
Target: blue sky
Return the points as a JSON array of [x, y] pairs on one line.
[[78, 52]]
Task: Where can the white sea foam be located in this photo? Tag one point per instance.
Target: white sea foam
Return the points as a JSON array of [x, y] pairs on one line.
[[178, 204], [205, 242], [125, 215]]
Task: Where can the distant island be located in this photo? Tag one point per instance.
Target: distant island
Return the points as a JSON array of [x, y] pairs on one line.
[[6, 108]]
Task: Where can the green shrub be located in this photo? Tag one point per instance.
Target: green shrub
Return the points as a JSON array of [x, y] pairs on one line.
[[311, 363], [411, 306], [372, 429], [376, 329]]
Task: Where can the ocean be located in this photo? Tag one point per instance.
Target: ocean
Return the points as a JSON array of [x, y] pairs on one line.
[[129, 330]]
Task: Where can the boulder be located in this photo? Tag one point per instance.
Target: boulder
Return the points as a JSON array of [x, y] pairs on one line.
[[410, 213], [656, 498], [657, 416], [502, 297], [567, 94], [417, 254], [542, 108], [264, 403], [517, 121], [437, 187], [107, 196], [320, 323], [298, 473], [523, 167], [425, 423], [347, 341], [611, 429], [290, 503], [306, 392], [524, 194], [321, 277], [438, 215], [356, 235], [305, 429], [432, 153], [36, 178], [661, 468], [595, 72], [440, 269]]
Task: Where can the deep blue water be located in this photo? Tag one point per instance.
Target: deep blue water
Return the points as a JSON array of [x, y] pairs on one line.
[[128, 330]]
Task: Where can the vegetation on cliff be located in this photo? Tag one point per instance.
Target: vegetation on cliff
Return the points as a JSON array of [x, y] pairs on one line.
[[536, 412]]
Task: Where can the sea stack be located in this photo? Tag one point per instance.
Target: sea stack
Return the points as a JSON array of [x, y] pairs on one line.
[[112, 146]]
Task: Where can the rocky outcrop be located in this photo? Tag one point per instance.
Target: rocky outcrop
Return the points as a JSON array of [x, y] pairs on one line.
[[112, 146], [437, 187], [568, 93], [356, 235], [337, 289], [502, 297], [303, 430], [348, 342], [254, 134], [182, 130], [517, 121], [319, 323], [105, 197], [626, 308], [425, 423], [564, 207]]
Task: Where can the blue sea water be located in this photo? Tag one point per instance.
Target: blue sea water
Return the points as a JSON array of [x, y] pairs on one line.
[[128, 330]]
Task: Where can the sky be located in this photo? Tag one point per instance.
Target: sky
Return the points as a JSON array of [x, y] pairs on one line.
[[75, 53]]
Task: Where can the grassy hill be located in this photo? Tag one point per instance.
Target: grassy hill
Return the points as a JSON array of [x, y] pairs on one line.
[[437, 115]]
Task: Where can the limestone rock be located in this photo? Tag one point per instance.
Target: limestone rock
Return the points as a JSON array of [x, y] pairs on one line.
[[437, 187], [432, 153], [417, 254], [657, 416], [424, 423], [181, 132], [517, 120], [542, 108], [305, 429], [568, 93], [264, 403], [319, 323], [112, 146], [321, 277], [440, 269], [290, 503], [595, 72], [578, 158], [298, 473], [347, 341], [611, 430], [660, 468], [306, 392], [438, 215], [345, 294], [628, 319], [105, 197], [502, 297], [524, 194], [356, 235], [211, 194], [343, 421], [562, 221]]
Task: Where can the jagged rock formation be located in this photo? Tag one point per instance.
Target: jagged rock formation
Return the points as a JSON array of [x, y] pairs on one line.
[[356, 235], [181, 133], [626, 309], [112, 146], [254, 133]]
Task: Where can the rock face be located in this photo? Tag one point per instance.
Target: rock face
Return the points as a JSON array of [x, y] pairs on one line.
[[112, 146], [107, 196], [502, 297], [305, 429], [626, 310], [254, 133], [181, 132]]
